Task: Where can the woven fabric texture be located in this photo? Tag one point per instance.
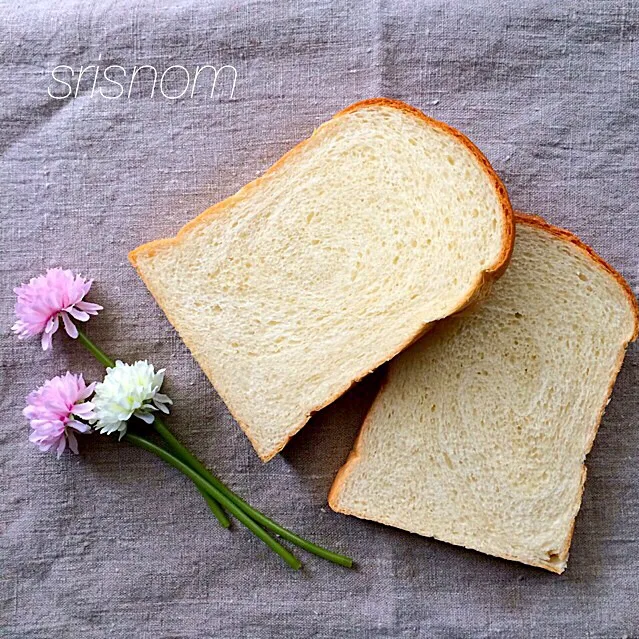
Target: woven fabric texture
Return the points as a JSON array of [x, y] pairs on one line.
[[112, 543]]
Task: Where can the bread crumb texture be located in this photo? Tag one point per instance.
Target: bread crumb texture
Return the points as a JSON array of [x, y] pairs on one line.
[[480, 434], [330, 264]]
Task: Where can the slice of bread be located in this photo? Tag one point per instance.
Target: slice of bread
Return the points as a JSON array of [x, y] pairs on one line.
[[480, 433], [340, 256]]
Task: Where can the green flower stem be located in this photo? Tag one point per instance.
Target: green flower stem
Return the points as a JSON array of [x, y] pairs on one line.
[[104, 359], [202, 483], [107, 362], [185, 456], [178, 450], [188, 458], [216, 509]]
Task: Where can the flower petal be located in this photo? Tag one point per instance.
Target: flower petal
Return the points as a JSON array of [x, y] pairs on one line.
[[89, 307], [46, 341], [52, 325], [88, 391], [77, 313], [50, 411], [127, 390], [43, 298], [162, 398], [83, 410], [73, 442], [147, 418], [81, 427], [69, 326], [62, 444]]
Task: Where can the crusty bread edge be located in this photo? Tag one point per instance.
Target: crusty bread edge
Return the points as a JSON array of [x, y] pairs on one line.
[[539, 222], [509, 224], [559, 564], [484, 279]]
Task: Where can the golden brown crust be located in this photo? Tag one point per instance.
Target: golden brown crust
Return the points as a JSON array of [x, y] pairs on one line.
[[562, 555], [485, 279], [354, 455], [509, 223], [539, 222]]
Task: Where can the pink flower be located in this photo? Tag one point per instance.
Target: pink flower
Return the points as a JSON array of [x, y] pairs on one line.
[[47, 298], [54, 410]]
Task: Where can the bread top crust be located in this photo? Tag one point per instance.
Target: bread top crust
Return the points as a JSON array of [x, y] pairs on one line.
[[559, 561], [484, 277], [509, 217], [563, 234], [493, 272]]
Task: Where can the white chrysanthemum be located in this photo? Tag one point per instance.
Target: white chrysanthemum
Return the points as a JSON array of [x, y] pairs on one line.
[[128, 391]]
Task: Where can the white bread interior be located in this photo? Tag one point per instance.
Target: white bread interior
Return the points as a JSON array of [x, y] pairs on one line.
[[480, 433], [331, 263]]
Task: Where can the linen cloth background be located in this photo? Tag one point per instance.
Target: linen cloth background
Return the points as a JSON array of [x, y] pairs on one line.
[[113, 543]]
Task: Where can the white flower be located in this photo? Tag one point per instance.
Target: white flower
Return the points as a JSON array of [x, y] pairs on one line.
[[128, 390]]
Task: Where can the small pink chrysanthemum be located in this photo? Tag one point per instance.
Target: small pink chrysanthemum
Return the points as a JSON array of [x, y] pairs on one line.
[[54, 411], [47, 298]]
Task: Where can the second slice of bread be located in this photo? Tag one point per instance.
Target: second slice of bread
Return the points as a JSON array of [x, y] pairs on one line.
[[479, 435], [341, 255]]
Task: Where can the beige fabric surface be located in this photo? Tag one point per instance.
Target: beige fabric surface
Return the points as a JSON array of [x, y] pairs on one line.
[[114, 544]]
